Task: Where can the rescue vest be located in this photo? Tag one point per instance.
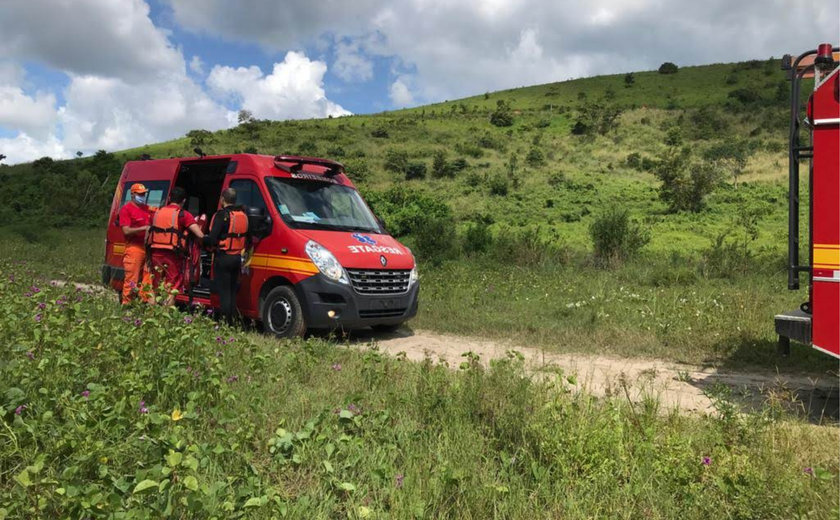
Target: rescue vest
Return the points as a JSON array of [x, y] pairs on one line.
[[233, 240], [166, 232]]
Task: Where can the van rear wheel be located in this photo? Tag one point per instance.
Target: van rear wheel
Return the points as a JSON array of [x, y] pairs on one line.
[[282, 314]]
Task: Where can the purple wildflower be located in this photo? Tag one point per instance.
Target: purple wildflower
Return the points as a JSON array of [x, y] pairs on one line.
[[398, 480], [42, 306], [233, 379], [86, 394], [79, 298], [143, 408], [12, 278], [138, 322], [54, 283], [209, 312], [219, 339], [231, 340], [60, 302], [19, 410], [337, 367], [34, 289], [30, 355], [707, 461], [28, 294], [353, 408], [809, 471], [188, 319], [38, 317]]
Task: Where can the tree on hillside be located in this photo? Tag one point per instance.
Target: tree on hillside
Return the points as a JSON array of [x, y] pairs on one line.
[[668, 68], [685, 182], [245, 116], [629, 80], [502, 116], [595, 118]]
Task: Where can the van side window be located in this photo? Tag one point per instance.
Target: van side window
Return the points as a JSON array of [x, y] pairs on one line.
[[158, 191], [248, 194]]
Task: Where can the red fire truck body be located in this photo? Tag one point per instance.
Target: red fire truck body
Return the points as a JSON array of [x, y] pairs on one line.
[[817, 322]]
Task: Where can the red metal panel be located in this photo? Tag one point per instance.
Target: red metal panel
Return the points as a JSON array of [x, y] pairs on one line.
[[825, 230]]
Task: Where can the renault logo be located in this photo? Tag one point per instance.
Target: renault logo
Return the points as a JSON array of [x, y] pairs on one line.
[[383, 261]]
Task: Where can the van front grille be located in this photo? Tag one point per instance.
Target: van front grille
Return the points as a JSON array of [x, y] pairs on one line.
[[385, 313], [379, 281]]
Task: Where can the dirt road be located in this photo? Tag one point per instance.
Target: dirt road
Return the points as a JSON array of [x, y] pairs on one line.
[[676, 386]]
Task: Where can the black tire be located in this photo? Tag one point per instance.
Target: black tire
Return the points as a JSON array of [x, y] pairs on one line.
[[387, 329], [282, 314]]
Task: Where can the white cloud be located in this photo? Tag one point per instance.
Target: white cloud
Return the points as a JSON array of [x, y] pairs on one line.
[[400, 93], [23, 148], [294, 89], [350, 65], [32, 115], [197, 65], [461, 48], [11, 73], [112, 114], [96, 37]]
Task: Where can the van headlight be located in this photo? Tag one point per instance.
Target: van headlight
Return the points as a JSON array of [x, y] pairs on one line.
[[413, 277], [326, 262]]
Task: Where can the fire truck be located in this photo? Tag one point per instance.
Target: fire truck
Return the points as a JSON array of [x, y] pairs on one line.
[[817, 321]]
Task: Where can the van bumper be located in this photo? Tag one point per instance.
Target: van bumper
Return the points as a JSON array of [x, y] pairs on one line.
[[319, 295]]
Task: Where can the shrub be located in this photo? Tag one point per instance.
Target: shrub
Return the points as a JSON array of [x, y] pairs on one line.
[[596, 118], [199, 137], [499, 184], [381, 133], [477, 238], [529, 247], [435, 239], [556, 179], [634, 160], [396, 160], [745, 96], [673, 137], [668, 68], [309, 148], [440, 166], [403, 208], [502, 116], [357, 169], [336, 151], [616, 237], [459, 164], [415, 170], [535, 157], [629, 79], [470, 150], [543, 123], [685, 183]]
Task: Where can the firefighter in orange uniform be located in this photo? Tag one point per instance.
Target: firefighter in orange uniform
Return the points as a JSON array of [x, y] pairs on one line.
[[167, 241], [134, 219], [228, 234]]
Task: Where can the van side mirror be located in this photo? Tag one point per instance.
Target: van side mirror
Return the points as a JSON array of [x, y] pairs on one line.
[[381, 224], [259, 223]]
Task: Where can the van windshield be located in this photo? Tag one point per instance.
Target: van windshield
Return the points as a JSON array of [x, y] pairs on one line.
[[307, 204]]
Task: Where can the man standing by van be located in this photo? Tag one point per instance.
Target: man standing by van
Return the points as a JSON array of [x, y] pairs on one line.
[[228, 233], [134, 219], [167, 241]]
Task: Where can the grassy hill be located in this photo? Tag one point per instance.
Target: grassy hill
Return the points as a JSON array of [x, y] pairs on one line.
[[501, 215]]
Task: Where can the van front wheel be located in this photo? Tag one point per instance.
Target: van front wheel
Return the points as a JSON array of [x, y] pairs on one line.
[[282, 314]]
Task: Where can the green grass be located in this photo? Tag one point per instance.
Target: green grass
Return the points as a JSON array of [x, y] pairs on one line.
[[140, 413], [654, 306]]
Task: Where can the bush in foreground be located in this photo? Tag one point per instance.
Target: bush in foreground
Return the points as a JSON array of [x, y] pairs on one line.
[[145, 413], [616, 237]]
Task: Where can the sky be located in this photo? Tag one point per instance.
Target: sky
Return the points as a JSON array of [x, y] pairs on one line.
[[85, 75]]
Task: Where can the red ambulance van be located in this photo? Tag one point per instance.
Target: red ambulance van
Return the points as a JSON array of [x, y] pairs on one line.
[[321, 258]]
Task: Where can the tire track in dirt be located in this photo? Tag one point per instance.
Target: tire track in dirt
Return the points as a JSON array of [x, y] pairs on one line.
[[677, 386]]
